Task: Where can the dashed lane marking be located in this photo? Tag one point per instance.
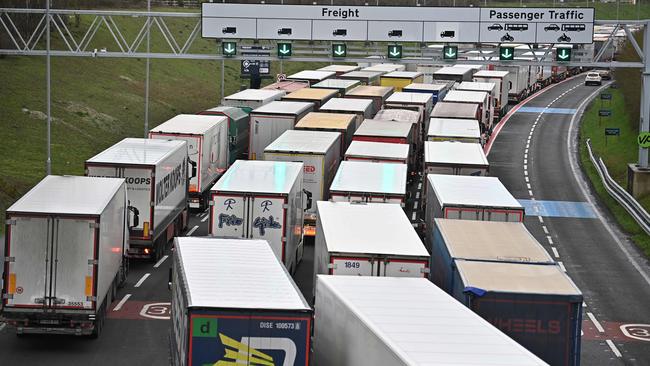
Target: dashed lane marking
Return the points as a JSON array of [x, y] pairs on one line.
[[530, 193], [561, 266], [555, 253], [144, 277], [613, 348], [596, 323], [121, 303], [414, 216], [420, 185], [160, 261], [192, 230], [541, 220], [415, 205], [2, 326], [550, 240], [417, 195], [545, 229]]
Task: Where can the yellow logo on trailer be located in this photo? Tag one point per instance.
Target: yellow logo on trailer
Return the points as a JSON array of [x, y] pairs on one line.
[[237, 352]]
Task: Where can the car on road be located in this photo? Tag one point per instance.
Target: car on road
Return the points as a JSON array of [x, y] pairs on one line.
[[593, 78], [552, 27], [495, 27], [605, 74]]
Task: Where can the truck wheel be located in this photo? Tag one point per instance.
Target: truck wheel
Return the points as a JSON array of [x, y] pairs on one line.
[[99, 323]]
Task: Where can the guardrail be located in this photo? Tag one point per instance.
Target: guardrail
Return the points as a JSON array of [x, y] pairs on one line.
[[617, 192]]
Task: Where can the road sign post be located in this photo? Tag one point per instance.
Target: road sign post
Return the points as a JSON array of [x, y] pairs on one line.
[[611, 131], [339, 50], [395, 51], [506, 53], [603, 113], [229, 48], [284, 50], [450, 52]]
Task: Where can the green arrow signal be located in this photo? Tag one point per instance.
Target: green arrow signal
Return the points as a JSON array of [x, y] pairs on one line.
[[450, 52], [339, 50], [564, 54], [229, 48], [284, 49], [506, 53], [395, 51]]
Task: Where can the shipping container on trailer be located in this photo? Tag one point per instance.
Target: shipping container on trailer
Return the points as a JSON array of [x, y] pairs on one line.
[[456, 74], [378, 152], [250, 99], [400, 79], [362, 181], [372, 239], [238, 122], [521, 81], [232, 303], [288, 86], [157, 178], [362, 108], [385, 67], [437, 91], [378, 95], [490, 89], [455, 158], [449, 129], [365, 77], [262, 200], [320, 152], [391, 321], [311, 95], [469, 198], [502, 79], [339, 69], [537, 306], [269, 121], [342, 86], [65, 248], [207, 149], [471, 97], [480, 241], [343, 123], [312, 76]]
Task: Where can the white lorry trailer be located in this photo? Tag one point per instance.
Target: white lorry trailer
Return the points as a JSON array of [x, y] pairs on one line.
[[342, 86], [345, 246], [207, 149], [364, 77], [65, 255], [320, 152], [448, 129], [250, 99], [339, 69], [362, 181], [237, 130], [261, 200], [378, 95], [233, 303], [156, 179], [502, 80], [455, 158], [362, 108], [312, 76], [391, 321], [378, 152], [482, 99], [343, 123], [318, 96], [519, 85], [270, 121]]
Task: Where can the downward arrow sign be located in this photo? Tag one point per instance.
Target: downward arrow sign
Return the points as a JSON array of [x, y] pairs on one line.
[[229, 49], [284, 50], [394, 52], [339, 50], [563, 55], [506, 54], [450, 53]]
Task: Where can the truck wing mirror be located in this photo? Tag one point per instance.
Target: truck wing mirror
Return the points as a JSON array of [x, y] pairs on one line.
[[135, 220], [309, 199], [193, 164]]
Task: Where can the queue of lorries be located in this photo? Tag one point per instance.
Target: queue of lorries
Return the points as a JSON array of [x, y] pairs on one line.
[[327, 153]]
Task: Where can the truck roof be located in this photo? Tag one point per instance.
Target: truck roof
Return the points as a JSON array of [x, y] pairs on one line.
[[491, 74], [338, 121], [339, 68], [256, 95], [284, 108], [371, 228], [311, 75], [462, 96], [371, 91], [233, 113], [235, 274], [516, 278], [138, 151], [450, 127], [476, 86], [397, 115], [369, 177], [402, 74], [311, 94], [472, 191], [454, 152], [406, 97], [379, 150], [336, 83], [362, 74], [70, 195], [453, 70], [304, 141], [423, 324], [499, 241], [384, 67], [191, 124], [383, 128], [347, 105], [287, 85], [452, 109], [259, 176], [427, 87]]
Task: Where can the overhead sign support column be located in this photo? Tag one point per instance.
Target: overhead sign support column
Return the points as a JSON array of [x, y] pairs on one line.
[[645, 94]]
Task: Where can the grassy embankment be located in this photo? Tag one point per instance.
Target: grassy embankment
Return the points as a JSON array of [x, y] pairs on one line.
[[97, 102]]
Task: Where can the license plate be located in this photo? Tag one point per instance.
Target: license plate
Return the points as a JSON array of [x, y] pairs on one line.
[[49, 321]]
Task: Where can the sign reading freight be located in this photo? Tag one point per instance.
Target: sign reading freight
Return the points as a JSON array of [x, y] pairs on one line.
[[404, 24], [450, 52]]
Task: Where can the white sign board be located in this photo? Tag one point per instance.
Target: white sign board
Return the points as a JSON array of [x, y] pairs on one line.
[[395, 24]]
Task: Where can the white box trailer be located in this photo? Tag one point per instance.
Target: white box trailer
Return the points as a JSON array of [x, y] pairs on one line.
[[269, 121], [312, 95], [361, 181], [385, 67], [345, 246], [345, 124], [456, 111], [519, 84], [486, 241], [405, 114], [156, 177], [392, 132], [234, 294], [339, 69], [486, 110], [362, 108], [237, 130], [312, 76], [449, 129], [365, 77], [342, 86], [408, 100], [428, 71], [261, 200], [378, 152], [390, 321], [320, 152], [490, 89], [64, 255], [378, 95], [455, 158], [456, 74], [502, 80], [250, 99], [207, 149], [437, 91]]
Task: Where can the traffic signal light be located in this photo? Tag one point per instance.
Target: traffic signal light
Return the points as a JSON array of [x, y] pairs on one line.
[[506, 53], [449, 52]]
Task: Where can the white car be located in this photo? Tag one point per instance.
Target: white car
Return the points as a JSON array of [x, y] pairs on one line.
[[593, 78]]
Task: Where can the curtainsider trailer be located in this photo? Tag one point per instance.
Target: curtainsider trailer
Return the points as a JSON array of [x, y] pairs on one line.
[[237, 130], [362, 181], [503, 80], [65, 248], [342, 86], [311, 76], [437, 91], [157, 178], [233, 303], [250, 99], [365, 77], [207, 148], [339, 69], [389, 321]]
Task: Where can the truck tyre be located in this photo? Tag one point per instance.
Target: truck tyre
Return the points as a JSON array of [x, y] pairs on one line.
[[99, 323]]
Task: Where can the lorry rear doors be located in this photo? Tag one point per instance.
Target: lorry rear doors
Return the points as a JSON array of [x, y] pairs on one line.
[[51, 263], [403, 268]]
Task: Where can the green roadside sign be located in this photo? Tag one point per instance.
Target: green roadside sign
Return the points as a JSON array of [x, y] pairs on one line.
[[284, 50], [644, 139], [229, 48], [563, 55], [506, 53], [339, 50], [450, 52], [395, 51]]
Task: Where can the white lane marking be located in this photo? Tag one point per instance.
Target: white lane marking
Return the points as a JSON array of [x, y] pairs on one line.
[[414, 216], [526, 179], [417, 195], [420, 185], [144, 277], [525, 161], [527, 145], [528, 186], [561, 266], [525, 156], [530, 193], [199, 214], [192, 230], [613, 348], [2, 326], [526, 172], [584, 304], [415, 205], [525, 166], [555, 253], [550, 240], [121, 303], [541, 220], [545, 229], [205, 218], [596, 323], [160, 261]]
